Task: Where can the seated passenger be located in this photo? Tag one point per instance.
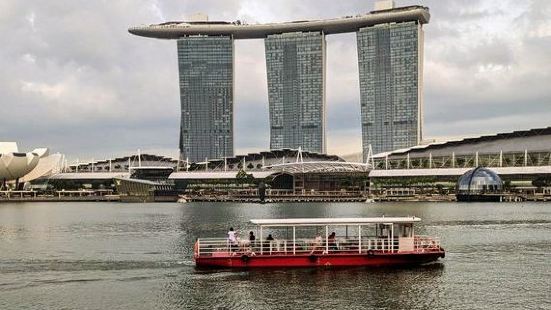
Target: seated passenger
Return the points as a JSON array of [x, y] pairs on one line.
[[332, 242], [317, 244]]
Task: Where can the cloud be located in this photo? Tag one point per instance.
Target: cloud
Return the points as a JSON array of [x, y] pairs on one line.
[[73, 78]]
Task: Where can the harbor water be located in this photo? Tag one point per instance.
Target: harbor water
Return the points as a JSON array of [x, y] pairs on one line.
[[139, 256]]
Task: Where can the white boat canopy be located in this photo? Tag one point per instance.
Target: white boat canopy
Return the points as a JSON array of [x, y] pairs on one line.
[[335, 221]]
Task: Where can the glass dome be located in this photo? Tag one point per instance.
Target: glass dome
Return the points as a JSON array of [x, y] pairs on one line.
[[479, 181]]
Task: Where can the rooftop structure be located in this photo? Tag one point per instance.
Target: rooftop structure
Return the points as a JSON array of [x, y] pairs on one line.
[[259, 161], [239, 30], [122, 164], [517, 155]]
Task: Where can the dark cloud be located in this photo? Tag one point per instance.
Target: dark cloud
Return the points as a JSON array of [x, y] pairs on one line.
[[73, 78]]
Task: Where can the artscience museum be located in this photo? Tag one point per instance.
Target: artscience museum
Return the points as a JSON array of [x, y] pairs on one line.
[[25, 166]]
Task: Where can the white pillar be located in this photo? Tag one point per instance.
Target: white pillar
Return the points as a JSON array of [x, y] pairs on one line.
[[360, 239], [261, 241], [453, 159], [501, 158], [525, 158], [430, 160], [327, 239], [476, 160], [294, 241]]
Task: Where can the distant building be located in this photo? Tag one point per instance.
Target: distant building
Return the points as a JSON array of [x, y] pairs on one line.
[[295, 64], [390, 46], [206, 96], [518, 156], [390, 61]]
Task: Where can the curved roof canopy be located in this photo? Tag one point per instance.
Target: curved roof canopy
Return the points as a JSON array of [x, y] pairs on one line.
[[319, 167], [175, 30]]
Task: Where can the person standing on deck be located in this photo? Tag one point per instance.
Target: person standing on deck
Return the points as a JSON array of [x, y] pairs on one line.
[[232, 238]]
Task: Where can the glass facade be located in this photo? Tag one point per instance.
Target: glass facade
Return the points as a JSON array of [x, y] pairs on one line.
[[479, 181], [390, 64], [295, 65], [206, 95]]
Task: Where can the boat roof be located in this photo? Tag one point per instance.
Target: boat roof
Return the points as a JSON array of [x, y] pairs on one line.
[[334, 221]]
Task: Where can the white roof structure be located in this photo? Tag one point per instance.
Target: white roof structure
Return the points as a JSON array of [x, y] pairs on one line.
[[47, 166], [335, 221], [319, 166], [536, 139], [457, 171], [195, 175], [89, 175]]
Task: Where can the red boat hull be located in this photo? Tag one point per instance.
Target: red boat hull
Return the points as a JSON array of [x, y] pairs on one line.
[[337, 259]]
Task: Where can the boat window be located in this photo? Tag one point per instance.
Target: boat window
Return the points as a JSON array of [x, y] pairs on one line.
[[405, 230], [383, 231]]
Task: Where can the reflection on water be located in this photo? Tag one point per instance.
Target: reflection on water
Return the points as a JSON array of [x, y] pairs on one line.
[[138, 256]]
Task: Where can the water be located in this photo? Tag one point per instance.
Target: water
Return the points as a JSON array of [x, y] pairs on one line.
[[138, 256]]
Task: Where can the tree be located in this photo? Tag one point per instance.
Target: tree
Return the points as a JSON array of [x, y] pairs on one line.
[[242, 177]]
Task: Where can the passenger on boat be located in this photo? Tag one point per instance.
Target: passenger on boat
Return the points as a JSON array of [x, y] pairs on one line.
[[332, 242], [269, 241], [232, 238], [317, 244], [252, 239]]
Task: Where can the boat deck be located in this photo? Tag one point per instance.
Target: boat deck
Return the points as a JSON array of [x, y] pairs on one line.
[[220, 247]]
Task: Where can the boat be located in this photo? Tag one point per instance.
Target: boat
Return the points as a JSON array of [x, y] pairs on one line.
[[373, 241]]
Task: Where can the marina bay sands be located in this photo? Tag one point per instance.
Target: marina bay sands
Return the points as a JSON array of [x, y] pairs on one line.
[[390, 60]]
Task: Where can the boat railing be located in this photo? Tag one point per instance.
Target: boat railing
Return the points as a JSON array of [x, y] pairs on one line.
[[222, 247]]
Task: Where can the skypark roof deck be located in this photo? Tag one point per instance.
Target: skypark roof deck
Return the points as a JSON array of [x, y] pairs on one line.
[[175, 30]]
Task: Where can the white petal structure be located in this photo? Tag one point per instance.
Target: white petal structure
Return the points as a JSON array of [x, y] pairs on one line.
[[15, 165], [47, 166]]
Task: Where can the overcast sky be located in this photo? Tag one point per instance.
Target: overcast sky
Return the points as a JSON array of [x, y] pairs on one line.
[[74, 80]]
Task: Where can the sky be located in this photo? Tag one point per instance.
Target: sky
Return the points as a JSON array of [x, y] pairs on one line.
[[73, 79]]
